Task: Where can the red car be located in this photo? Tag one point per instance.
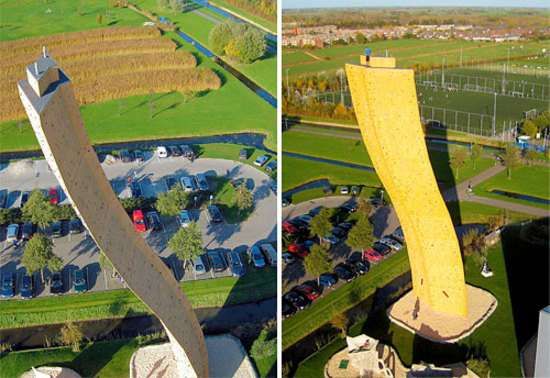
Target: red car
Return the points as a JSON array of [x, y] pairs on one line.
[[53, 196], [307, 291], [139, 221], [289, 228], [299, 250], [371, 255]]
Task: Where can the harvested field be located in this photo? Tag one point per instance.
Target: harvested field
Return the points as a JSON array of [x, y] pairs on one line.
[[105, 64]]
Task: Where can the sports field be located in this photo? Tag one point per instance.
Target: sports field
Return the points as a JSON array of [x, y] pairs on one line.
[[407, 51]]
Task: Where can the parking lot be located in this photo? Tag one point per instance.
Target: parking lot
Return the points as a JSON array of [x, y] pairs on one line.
[[78, 251]]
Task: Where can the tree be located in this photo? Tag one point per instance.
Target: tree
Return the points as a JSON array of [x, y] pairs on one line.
[[364, 207], [163, 4], [38, 254], [532, 155], [187, 242], [244, 198], [317, 261], [320, 224], [249, 46], [479, 366], [177, 5], [475, 153], [458, 159], [511, 159], [72, 335], [497, 221], [360, 236], [340, 321], [219, 37], [173, 201], [38, 209], [529, 128], [360, 38], [473, 244]]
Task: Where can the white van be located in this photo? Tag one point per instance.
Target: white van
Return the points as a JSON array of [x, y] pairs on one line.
[[270, 254], [162, 152]]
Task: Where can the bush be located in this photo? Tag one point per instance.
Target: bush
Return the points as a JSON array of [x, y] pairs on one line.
[[238, 41], [265, 345], [480, 366]]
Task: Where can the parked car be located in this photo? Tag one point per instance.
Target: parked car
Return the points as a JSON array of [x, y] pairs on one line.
[[340, 233], [288, 258], [349, 208], [355, 190], [398, 235], [290, 228], [75, 226], [271, 166], [261, 160], [139, 220], [184, 218], [174, 151], [305, 218], [3, 198], [332, 239], [56, 283], [256, 257], [138, 155], [27, 231], [202, 182], [344, 190], [171, 181], [217, 262], [162, 152], [12, 233], [188, 183], [187, 151], [27, 287], [199, 266], [153, 220], [372, 256], [381, 248], [357, 263], [296, 299], [57, 229], [214, 214], [285, 201], [236, 264], [53, 196], [125, 156], [243, 154], [135, 189], [327, 280], [8, 285], [344, 272], [308, 291], [24, 197], [270, 253], [346, 226], [393, 244], [299, 250], [80, 283], [288, 309]]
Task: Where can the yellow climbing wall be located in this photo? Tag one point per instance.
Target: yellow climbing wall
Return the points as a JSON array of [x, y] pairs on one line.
[[386, 107]]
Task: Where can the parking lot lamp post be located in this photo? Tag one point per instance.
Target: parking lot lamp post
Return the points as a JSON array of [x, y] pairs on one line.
[[211, 198], [195, 199], [382, 197]]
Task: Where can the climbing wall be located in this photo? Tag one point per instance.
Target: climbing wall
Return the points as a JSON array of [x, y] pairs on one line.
[[385, 104]]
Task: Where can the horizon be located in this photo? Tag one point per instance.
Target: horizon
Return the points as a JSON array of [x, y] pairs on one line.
[[359, 4]]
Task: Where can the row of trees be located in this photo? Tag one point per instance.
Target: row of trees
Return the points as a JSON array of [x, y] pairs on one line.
[[263, 8], [241, 42], [536, 125]]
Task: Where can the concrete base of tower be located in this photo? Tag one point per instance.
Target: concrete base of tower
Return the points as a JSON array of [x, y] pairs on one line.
[[442, 328], [226, 358]]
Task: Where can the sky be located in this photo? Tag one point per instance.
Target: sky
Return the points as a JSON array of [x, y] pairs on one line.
[[292, 4]]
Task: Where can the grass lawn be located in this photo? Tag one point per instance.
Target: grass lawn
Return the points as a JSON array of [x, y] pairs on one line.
[[263, 352], [298, 171], [100, 359], [268, 24], [497, 331], [471, 212], [31, 18], [225, 198], [529, 180], [255, 286]]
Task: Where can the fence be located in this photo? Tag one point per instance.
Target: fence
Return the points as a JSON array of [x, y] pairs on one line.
[[531, 71]]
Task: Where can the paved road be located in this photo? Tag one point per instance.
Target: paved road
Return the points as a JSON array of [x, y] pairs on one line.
[[79, 251]]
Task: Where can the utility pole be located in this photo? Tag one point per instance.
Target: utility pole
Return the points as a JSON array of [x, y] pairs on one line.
[[443, 73], [341, 72], [504, 79], [494, 113], [287, 87], [461, 57]]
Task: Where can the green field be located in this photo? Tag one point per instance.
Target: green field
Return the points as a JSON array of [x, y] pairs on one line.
[[262, 72], [407, 52], [32, 18], [255, 286], [529, 180], [497, 331], [109, 359]]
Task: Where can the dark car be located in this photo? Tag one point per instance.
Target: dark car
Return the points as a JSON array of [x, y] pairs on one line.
[[382, 249], [153, 219], [27, 287], [271, 166], [138, 155], [398, 235], [27, 230], [57, 229], [344, 272], [288, 309], [243, 154], [296, 299], [350, 208], [135, 188], [75, 226], [3, 198], [214, 214], [125, 156], [217, 262], [171, 181], [327, 280], [307, 290], [8, 286], [56, 283], [187, 151], [25, 197], [80, 284], [174, 151], [355, 190], [285, 202], [236, 264], [357, 263]]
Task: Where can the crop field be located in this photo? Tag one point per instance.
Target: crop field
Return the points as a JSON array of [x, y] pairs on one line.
[[408, 52], [103, 63], [198, 24], [268, 24]]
